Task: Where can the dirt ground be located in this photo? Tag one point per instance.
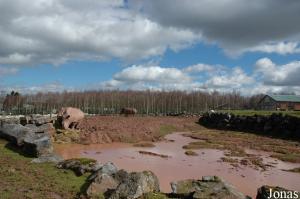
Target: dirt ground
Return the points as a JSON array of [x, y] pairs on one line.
[[107, 129]]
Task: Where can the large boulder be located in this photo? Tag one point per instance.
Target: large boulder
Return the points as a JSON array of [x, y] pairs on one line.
[[32, 140], [9, 120], [37, 144], [208, 187], [136, 184], [117, 184], [36, 119], [79, 165], [15, 133], [270, 192], [103, 180]]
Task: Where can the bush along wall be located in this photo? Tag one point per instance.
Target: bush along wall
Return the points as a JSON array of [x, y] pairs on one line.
[[276, 125]]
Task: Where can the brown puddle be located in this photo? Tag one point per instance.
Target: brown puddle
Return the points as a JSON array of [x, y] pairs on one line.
[[180, 166]]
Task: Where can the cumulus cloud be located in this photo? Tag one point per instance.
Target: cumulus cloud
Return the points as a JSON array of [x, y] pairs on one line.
[[235, 79], [55, 31], [152, 74], [236, 25], [195, 77], [278, 75], [282, 48], [48, 87]]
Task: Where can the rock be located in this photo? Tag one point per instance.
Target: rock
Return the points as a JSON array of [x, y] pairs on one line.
[[79, 165], [39, 120], [15, 133], [9, 120], [276, 124], [108, 168], [38, 144], [30, 139], [136, 185], [208, 187], [264, 192], [48, 158], [103, 180], [116, 184], [103, 183]]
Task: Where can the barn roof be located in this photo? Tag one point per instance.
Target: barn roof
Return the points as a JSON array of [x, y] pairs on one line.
[[285, 98]]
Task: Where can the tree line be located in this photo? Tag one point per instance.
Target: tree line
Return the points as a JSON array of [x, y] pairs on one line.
[[111, 102]]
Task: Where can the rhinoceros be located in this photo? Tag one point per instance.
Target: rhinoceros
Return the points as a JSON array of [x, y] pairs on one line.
[[69, 117], [128, 111]]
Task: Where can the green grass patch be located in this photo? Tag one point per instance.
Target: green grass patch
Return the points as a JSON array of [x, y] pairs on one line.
[[166, 129], [19, 178], [295, 170], [154, 196], [261, 112], [290, 157], [144, 144], [191, 153]]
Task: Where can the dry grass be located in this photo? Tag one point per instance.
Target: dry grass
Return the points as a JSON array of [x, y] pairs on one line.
[[191, 153], [235, 143], [144, 144]]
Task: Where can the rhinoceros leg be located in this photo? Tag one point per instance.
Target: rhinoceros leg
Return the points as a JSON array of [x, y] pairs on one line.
[[66, 124]]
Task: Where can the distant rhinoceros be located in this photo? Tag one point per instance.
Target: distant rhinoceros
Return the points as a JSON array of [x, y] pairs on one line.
[[128, 111], [69, 117]]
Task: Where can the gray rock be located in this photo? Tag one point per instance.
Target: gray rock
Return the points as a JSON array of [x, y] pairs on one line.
[[102, 183], [136, 185], [38, 144], [264, 192], [15, 133], [208, 187], [108, 168], [30, 141], [48, 158], [40, 120], [79, 165]]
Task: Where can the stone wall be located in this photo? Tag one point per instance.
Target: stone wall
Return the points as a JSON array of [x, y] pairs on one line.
[[277, 125]]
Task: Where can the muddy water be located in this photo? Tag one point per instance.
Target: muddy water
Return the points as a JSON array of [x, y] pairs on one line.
[[180, 166]]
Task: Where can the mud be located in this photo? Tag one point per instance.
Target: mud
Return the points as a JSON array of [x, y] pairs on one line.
[[108, 129], [180, 166]]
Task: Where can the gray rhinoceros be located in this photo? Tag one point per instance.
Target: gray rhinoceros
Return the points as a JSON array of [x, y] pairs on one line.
[[128, 111], [69, 117]]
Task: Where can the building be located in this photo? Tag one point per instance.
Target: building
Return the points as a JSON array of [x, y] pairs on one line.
[[280, 102]]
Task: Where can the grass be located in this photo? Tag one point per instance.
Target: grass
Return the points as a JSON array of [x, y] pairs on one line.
[[289, 157], [234, 143], [191, 153], [144, 144], [166, 129], [22, 179], [295, 170], [261, 112], [154, 196], [84, 161]]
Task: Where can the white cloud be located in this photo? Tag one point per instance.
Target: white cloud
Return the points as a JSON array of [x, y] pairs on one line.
[[56, 31], [152, 74], [282, 48], [200, 68], [278, 75], [48, 87], [235, 79], [195, 77]]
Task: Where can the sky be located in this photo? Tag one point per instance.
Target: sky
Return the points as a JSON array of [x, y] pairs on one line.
[[251, 47]]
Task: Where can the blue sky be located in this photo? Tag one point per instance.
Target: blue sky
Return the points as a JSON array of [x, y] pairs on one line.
[[61, 45]]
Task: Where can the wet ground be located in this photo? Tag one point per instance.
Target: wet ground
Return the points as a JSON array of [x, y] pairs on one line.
[[180, 166]]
